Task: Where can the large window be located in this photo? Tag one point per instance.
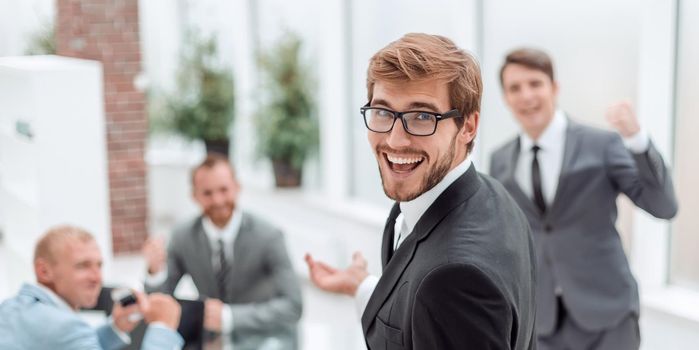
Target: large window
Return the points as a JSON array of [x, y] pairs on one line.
[[685, 237]]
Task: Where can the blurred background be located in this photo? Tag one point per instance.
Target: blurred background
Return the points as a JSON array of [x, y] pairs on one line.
[[106, 105]]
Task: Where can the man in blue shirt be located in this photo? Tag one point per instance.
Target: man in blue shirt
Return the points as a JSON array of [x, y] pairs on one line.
[[67, 264]]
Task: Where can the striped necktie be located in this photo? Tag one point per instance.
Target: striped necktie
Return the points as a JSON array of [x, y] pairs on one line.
[[222, 271]]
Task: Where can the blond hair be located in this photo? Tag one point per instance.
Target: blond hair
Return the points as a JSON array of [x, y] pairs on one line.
[[55, 237]]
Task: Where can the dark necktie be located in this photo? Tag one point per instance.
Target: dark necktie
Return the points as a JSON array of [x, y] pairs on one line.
[[222, 270], [536, 181]]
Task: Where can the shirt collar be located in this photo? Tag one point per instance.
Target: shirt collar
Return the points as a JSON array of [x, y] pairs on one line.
[[228, 233], [550, 138], [413, 210], [62, 304]]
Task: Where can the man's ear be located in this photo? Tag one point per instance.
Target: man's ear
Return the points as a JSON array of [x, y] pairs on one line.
[[43, 271], [470, 128]]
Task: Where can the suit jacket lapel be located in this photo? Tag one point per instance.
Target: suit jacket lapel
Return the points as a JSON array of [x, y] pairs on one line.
[[511, 184], [453, 196], [202, 257], [240, 262], [388, 233], [570, 152], [241, 243]]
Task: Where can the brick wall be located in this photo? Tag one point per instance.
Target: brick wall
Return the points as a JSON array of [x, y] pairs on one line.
[[107, 31]]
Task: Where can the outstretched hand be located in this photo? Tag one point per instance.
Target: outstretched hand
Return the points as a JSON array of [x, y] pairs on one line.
[[331, 279]]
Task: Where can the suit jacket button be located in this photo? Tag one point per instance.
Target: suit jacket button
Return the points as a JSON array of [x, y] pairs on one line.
[[548, 228]]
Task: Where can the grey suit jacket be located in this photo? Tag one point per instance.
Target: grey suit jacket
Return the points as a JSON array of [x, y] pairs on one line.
[[32, 320], [463, 279], [578, 247], [263, 291]]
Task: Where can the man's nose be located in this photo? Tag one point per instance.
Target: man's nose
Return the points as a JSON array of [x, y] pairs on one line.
[[527, 93], [398, 137], [218, 198], [96, 274]]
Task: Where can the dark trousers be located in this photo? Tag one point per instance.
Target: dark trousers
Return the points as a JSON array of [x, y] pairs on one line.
[[569, 336]]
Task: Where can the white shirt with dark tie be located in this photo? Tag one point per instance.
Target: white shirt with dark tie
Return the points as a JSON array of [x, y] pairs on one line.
[[550, 156], [227, 234], [411, 212]]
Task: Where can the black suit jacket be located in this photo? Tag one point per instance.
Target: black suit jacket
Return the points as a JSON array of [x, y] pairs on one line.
[[463, 279]]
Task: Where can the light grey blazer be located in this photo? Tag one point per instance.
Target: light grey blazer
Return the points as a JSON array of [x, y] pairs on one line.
[[263, 290], [32, 320], [578, 247]]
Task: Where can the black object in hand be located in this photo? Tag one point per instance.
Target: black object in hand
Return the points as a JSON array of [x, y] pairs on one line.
[[123, 296], [127, 300]]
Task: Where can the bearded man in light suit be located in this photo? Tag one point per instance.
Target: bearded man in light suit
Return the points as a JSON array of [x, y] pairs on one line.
[[238, 263]]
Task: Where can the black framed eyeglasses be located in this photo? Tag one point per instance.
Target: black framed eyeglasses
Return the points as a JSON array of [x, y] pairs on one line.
[[417, 123]]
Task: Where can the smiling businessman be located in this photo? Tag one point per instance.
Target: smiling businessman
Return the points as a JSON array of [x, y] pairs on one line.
[[458, 260]]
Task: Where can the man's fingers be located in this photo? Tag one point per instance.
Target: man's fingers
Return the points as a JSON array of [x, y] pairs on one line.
[[309, 260], [323, 266], [358, 260]]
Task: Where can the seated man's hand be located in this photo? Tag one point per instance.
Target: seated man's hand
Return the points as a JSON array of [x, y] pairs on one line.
[[335, 280], [161, 308], [212, 315], [155, 254], [121, 315]]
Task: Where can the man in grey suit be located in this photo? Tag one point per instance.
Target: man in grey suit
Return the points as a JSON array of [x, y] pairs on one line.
[[68, 263], [458, 260], [566, 178], [238, 263]]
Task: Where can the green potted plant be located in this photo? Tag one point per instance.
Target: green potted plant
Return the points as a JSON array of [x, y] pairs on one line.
[[43, 40], [287, 128], [203, 107]]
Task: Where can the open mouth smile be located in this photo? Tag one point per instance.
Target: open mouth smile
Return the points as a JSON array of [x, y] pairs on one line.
[[403, 164]]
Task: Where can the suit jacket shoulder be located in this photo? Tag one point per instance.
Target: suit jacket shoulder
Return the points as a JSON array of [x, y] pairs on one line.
[[183, 232], [491, 238], [469, 260], [464, 295], [261, 228], [502, 155]]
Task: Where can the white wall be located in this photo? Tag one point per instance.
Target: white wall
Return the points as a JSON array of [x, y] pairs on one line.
[[594, 46], [58, 175], [670, 316], [160, 32]]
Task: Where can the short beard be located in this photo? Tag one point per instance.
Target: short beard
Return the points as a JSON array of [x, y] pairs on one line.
[[431, 179], [221, 222]]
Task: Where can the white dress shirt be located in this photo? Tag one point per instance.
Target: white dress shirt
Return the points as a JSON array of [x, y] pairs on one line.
[[411, 212], [550, 156], [228, 234]]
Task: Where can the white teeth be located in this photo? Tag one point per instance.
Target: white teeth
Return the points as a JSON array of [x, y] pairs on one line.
[[401, 160]]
